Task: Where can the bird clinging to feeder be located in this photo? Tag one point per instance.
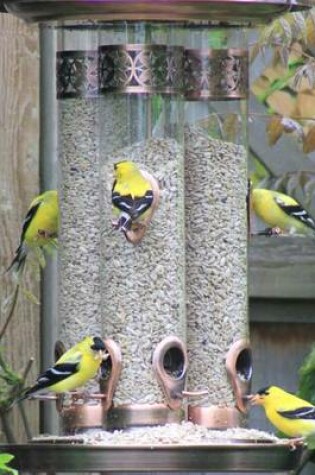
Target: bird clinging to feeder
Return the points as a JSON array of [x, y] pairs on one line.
[[134, 197]]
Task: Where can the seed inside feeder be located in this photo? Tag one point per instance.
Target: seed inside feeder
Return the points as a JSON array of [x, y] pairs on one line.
[[143, 286], [216, 263]]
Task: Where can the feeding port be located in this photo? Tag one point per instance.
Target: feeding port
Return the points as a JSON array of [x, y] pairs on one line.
[[152, 257]]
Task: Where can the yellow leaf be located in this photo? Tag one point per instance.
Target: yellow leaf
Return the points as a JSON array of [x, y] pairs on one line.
[[274, 130], [309, 141], [260, 86], [310, 32], [282, 103], [296, 52], [275, 72], [305, 105], [30, 296]]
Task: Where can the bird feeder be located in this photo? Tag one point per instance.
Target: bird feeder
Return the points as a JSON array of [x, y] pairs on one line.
[[162, 85]]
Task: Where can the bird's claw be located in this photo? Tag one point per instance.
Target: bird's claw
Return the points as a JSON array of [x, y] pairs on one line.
[[115, 224], [297, 441], [76, 397], [276, 231]]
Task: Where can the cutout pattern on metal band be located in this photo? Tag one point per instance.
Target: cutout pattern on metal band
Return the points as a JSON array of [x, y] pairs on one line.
[[141, 69], [77, 74], [134, 69], [217, 74]]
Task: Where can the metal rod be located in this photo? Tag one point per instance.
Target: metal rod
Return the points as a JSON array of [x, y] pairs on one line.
[[193, 394], [75, 394], [48, 180]]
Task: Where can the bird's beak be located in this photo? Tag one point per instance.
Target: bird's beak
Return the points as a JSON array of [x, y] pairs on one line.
[[255, 399], [104, 355]]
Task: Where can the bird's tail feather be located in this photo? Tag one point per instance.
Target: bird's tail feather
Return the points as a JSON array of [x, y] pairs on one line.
[[124, 222], [27, 392], [18, 263]]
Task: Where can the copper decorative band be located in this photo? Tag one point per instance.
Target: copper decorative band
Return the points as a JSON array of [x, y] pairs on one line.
[[215, 74], [77, 74], [138, 68]]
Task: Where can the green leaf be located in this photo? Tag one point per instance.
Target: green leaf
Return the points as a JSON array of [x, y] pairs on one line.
[[30, 296], [4, 460]]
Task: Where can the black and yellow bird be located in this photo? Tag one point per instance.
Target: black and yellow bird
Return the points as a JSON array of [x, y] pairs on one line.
[[132, 195], [39, 228], [290, 414], [281, 211], [73, 369]]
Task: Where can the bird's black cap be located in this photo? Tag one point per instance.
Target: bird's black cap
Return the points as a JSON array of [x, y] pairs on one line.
[[98, 344], [264, 391]]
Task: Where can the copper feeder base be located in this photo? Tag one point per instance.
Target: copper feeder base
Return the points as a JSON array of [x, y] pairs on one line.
[[81, 417], [215, 417], [137, 415]]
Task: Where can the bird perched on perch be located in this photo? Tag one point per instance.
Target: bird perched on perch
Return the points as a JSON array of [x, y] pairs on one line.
[[39, 228], [281, 211], [132, 195], [293, 416], [73, 369]]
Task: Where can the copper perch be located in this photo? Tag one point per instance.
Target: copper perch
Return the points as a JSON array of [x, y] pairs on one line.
[[239, 370], [112, 366], [170, 363], [195, 394]]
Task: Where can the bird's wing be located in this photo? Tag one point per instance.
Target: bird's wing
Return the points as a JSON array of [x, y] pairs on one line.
[[72, 356], [134, 206], [28, 218], [52, 376], [56, 374], [297, 212], [307, 412]]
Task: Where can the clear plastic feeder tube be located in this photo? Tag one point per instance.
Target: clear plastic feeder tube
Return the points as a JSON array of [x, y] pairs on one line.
[[78, 124], [142, 270], [216, 216]]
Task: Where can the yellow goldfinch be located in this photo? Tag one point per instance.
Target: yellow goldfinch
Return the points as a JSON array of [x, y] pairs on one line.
[[132, 195], [73, 369], [288, 413], [39, 229], [281, 211]]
